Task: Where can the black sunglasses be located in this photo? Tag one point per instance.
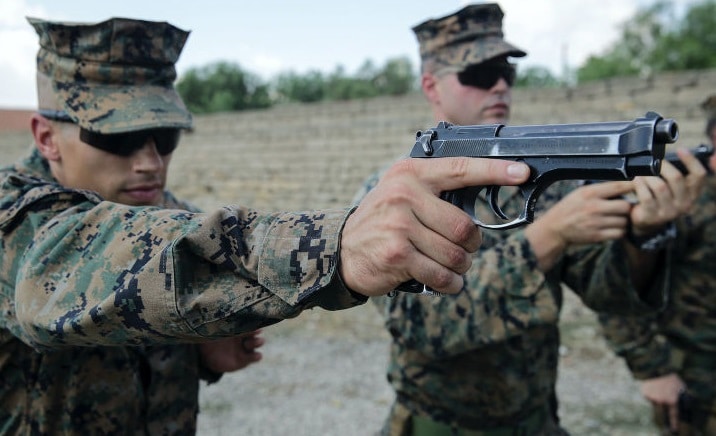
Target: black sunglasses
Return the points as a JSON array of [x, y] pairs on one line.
[[486, 75], [122, 144]]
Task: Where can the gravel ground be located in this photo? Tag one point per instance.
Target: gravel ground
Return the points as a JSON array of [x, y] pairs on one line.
[[323, 374]]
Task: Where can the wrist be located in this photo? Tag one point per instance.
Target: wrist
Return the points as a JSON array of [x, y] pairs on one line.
[[548, 246], [652, 241]]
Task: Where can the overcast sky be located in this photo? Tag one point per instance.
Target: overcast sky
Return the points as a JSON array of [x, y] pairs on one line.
[[275, 36]]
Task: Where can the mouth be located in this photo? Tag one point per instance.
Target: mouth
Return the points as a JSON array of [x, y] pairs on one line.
[[143, 194], [499, 107]]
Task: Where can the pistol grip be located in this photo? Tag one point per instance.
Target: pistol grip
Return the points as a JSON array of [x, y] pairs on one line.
[[415, 287]]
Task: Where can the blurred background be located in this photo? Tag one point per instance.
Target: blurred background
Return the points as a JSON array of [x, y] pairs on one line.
[[296, 105]]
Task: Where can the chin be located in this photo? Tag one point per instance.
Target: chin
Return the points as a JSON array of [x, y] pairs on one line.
[[131, 201], [496, 120]]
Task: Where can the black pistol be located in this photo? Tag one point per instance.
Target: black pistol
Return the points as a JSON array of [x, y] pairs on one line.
[[619, 150], [702, 152]]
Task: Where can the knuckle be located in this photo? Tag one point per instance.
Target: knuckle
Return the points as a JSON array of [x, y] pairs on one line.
[[464, 230], [402, 166], [460, 167], [397, 253], [458, 259], [442, 279]]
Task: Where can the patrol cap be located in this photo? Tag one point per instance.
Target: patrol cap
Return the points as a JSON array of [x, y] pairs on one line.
[[113, 76], [709, 106], [469, 36]]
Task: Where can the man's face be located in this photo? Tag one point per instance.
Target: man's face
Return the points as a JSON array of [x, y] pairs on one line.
[[458, 98], [137, 179]]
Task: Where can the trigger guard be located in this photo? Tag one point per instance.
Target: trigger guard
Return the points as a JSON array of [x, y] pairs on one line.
[[493, 193], [517, 222], [466, 198]]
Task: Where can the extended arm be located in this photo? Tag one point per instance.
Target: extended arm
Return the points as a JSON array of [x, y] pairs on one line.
[[110, 274]]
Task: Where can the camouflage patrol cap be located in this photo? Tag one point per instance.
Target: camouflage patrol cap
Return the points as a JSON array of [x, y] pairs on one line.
[[709, 106], [469, 36], [113, 76]]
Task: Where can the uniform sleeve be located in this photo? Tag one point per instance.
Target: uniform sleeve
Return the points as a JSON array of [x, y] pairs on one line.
[[600, 275], [636, 339], [653, 345], [87, 273]]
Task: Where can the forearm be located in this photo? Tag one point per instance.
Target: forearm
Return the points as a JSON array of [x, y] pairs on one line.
[[642, 265], [548, 247], [599, 274], [647, 353], [162, 276]]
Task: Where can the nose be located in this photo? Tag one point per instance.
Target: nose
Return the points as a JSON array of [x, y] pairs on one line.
[[501, 86], [147, 159]]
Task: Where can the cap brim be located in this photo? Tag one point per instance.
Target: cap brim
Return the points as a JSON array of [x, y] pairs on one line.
[[116, 109], [464, 55]]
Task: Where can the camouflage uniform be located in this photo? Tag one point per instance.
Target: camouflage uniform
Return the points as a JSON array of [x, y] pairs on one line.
[[682, 338], [469, 363], [464, 364], [100, 302]]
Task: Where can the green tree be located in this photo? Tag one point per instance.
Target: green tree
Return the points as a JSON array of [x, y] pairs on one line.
[[397, 77], [535, 77], [692, 44], [656, 40], [222, 86], [629, 56], [308, 88], [340, 86]]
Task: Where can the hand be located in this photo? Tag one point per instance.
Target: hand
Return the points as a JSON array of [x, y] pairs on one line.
[[589, 214], [403, 230], [663, 199], [232, 354], [664, 391]]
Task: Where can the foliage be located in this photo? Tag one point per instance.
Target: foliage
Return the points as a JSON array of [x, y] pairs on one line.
[[395, 78], [655, 40], [692, 45], [227, 87], [222, 86], [535, 77], [307, 88]]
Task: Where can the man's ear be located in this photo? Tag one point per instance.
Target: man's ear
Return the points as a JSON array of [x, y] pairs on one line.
[[428, 83], [43, 132]]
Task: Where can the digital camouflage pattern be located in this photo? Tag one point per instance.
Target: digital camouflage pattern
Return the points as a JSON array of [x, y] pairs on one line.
[[469, 36], [99, 302], [682, 338], [113, 76], [487, 357]]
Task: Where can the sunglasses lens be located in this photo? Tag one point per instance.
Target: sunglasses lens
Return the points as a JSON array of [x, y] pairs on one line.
[[166, 140], [486, 76], [124, 144]]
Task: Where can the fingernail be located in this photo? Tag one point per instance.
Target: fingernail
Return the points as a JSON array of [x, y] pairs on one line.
[[518, 170]]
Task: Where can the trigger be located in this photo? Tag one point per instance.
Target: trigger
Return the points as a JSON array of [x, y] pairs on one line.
[[493, 193]]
